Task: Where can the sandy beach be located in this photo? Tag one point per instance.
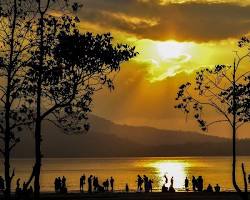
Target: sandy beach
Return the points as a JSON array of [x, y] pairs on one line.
[[142, 196]]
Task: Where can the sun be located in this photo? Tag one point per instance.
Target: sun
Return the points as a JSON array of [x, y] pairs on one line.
[[172, 49]]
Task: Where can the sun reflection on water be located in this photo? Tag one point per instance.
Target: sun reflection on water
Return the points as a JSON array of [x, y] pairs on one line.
[[171, 168]]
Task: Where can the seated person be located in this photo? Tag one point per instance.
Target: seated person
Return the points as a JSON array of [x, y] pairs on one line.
[[209, 188], [217, 188]]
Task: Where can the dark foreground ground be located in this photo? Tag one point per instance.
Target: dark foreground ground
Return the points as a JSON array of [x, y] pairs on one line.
[[143, 196]]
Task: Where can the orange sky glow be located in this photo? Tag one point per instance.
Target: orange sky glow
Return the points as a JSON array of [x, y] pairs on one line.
[[174, 39]]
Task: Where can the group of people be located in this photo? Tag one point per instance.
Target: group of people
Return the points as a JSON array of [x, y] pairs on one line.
[[93, 184], [148, 184], [197, 184], [60, 185], [171, 187], [23, 191], [108, 185]]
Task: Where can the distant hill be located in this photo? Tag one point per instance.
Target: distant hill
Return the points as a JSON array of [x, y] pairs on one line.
[[109, 139]]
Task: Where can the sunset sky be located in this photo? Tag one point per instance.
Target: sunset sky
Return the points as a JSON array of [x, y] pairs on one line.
[[174, 39]]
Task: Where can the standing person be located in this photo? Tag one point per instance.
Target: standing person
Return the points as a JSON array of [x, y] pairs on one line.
[[56, 184], [150, 185], [139, 183], [82, 182], [166, 179], [186, 184], [194, 183], [59, 184], [90, 184], [112, 183], [200, 183], [172, 181], [145, 180], [249, 178], [127, 188]]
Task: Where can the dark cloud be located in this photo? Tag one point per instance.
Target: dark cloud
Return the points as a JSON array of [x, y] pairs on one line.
[[183, 21]]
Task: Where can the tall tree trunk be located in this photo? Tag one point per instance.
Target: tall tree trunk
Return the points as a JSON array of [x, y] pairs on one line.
[[234, 132], [7, 136], [38, 128], [7, 153]]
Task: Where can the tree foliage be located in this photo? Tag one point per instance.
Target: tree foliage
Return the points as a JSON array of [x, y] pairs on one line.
[[226, 90]]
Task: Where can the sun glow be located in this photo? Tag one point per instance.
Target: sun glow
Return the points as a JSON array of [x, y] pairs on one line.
[[172, 168], [172, 49]]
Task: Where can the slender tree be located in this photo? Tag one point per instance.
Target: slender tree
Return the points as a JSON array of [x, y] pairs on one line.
[[225, 89], [15, 113], [67, 68]]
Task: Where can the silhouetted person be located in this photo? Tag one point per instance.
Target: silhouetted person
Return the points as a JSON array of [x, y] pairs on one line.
[[95, 183], [150, 185], [200, 183], [25, 189], [164, 188], [2, 185], [209, 188], [172, 181], [139, 183], [90, 184], [171, 188], [106, 185], [59, 184], [145, 180], [217, 188], [166, 179], [18, 188], [64, 188], [82, 182], [126, 188], [56, 185], [112, 183], [249, 178], [30, 190], [194, 183], [186, 184]]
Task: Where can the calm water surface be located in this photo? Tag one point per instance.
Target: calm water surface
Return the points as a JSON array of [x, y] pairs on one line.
[[125, 170]]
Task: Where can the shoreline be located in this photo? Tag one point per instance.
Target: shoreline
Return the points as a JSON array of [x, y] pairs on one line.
[[142, 196]]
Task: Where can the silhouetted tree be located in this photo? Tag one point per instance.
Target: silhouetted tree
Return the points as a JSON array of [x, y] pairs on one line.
[[14, 112], [67, 68], [225, 89]]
